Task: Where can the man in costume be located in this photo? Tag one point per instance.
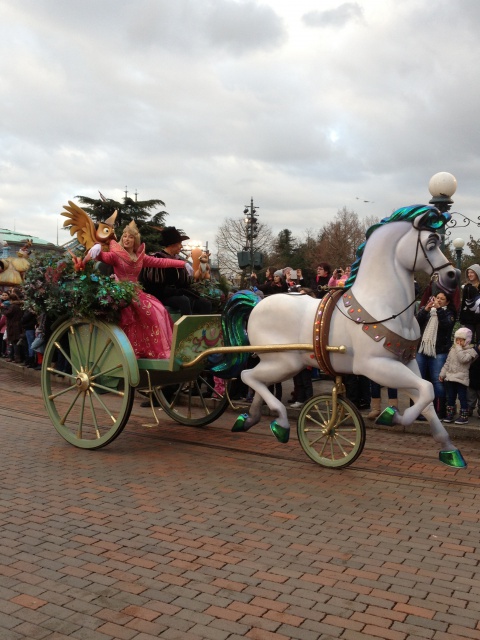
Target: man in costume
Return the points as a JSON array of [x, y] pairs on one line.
[[170, 285]]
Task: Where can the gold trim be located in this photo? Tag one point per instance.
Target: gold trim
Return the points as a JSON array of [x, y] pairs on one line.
[[251, 348], [321, 329]]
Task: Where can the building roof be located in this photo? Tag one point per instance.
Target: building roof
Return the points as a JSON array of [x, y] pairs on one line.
[[19, 238]]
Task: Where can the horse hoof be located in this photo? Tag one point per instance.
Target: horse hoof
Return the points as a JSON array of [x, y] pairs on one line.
[[240, 423], [387, 416], [452, 459], [281, 433]]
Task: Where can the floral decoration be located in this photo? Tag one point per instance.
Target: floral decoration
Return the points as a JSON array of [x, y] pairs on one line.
[[53, 287]]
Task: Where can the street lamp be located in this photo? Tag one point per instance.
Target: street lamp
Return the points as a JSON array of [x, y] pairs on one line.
[[251, 222], [442, 186], [459, 243]]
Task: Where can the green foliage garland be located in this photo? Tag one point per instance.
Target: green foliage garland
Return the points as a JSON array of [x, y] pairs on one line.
[[53, 287]]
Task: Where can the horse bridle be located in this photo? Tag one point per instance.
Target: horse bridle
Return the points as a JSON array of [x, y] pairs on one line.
[[435, 270], [433, 277]]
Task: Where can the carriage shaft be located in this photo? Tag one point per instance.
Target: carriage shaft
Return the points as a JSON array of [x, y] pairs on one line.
[[251, 348]]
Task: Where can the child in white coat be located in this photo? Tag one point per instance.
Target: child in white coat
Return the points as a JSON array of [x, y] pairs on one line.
[[455, 373]]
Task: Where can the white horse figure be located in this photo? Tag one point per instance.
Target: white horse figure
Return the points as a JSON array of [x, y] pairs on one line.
[[374, 318]]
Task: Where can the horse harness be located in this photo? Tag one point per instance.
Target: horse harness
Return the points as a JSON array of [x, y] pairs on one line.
[[405, 350]]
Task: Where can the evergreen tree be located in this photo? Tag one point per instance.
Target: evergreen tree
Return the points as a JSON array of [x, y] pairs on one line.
[[138, 210]]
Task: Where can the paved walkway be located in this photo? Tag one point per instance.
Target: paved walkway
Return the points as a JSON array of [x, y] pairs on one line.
[[176, 533]]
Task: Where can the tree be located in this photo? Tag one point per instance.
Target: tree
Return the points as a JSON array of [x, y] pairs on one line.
[[232, 237], [306, 254], [127, 210], [474, 246], [284, 251], [338, 241]]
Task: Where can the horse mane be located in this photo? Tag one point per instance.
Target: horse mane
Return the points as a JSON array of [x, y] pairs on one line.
[[234, 329], [433, 220]]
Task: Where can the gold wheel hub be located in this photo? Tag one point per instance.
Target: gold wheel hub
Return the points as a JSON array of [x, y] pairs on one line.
[[82, 381]]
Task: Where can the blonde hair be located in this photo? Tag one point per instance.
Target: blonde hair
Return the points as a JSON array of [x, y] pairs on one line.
[[132, 230]]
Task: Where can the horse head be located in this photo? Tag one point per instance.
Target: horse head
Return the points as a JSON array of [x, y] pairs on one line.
[[412, 244], [441, 270]]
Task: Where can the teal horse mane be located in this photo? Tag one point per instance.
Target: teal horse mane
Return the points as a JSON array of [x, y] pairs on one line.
[[234, 328], [433, 220]]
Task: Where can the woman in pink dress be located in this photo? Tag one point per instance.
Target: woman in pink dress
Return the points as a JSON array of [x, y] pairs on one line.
[[145, 321]]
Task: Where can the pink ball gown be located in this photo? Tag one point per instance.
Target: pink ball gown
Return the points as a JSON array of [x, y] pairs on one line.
[[145, 322]]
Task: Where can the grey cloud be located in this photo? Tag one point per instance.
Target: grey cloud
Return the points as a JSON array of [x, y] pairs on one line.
[[243, 27], [339, 17], [182, 27]]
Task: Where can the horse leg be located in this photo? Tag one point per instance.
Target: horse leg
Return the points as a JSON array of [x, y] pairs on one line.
[[246, 421], [449, 454], [280, 426], [394, 374], [259, 378]]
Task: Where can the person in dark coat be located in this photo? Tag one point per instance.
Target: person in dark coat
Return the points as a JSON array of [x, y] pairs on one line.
[[320, 282], [470, 309], [13, 312], [473, 391], [29, 323], [267, 288], [170, 285], [436, 320]]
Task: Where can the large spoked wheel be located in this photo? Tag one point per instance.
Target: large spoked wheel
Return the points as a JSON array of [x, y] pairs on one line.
[[331, 443], [86, 382], [193, 403]]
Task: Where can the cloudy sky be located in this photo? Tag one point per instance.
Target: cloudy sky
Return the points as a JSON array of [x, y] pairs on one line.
[[305, 106]]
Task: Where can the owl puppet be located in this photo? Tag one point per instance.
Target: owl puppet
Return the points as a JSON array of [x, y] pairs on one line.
[[93, 238], [88, 234]]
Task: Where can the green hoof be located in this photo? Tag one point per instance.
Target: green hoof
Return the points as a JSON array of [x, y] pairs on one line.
[[240, 423], [281, 433], [452, 459], [386, 417]]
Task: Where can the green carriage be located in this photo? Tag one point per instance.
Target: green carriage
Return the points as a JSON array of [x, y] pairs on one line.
[[91, 405]]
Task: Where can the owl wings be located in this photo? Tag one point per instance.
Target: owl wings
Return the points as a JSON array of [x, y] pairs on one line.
[[81, 224]]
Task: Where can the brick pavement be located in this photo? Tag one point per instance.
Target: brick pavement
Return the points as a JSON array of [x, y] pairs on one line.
[[158, 538]]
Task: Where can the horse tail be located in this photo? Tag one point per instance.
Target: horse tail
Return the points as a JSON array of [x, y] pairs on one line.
[[234, 327]]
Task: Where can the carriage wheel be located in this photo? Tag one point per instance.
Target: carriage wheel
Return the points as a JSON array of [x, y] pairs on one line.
[[185, 403], [90, 405], [346, 439]]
